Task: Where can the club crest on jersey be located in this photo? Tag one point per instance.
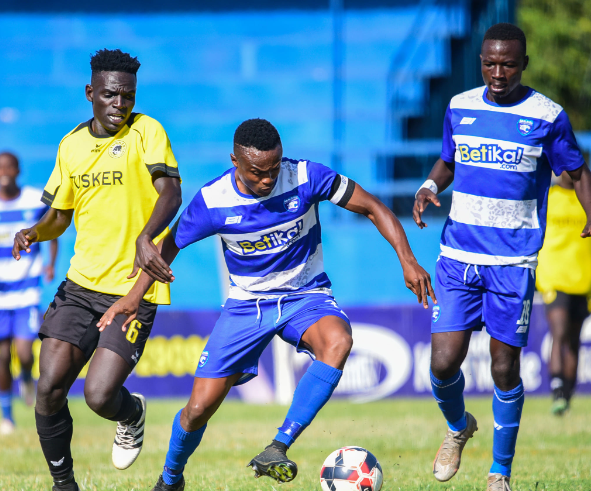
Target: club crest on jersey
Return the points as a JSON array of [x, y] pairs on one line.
[[117, 149], [436, 313], [272, 240], [525, 126], [292, 204], [203, 358]]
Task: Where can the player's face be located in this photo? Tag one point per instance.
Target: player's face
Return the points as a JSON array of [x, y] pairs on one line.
[[113, 96], [8, 171], [256, 170], [502, 64]]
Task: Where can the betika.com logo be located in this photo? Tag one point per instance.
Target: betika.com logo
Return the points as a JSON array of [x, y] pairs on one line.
[[272, 240], [491, 154]]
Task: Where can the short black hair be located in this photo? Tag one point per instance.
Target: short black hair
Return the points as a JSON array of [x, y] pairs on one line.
[[113, 60], [506, 32], [12, 156], [257, 133]]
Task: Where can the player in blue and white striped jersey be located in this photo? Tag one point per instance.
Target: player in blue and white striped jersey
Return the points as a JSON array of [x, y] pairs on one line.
[[501, 144], [265, 209], [20, 284]]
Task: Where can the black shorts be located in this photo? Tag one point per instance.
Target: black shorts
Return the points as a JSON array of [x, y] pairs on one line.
[[575, 305], [75, 311]]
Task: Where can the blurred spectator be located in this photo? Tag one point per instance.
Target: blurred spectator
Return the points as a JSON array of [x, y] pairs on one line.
[[19, 285], [564, 278]]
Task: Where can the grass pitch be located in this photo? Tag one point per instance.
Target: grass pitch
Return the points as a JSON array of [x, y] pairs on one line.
[[552, 453]]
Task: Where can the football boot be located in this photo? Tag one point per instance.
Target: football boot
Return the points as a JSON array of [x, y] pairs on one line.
[[67, 484], [129, 439], [273, 462], [498, 482], [449, 455], [162, 486]]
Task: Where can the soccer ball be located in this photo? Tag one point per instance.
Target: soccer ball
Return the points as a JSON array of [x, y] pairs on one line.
[[351, 469]]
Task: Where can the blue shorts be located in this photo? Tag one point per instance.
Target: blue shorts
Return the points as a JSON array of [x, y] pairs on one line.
[[470, 297], [20, 323], [243, 331]]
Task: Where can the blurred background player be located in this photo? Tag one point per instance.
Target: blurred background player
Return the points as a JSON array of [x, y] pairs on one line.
[[20, 285], [564, 278]]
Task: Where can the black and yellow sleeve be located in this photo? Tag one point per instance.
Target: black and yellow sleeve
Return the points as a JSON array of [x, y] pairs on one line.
[[58, 192]]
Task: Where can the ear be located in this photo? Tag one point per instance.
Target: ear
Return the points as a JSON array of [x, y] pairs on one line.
[[234, 160], [525, 62], [89, 92]]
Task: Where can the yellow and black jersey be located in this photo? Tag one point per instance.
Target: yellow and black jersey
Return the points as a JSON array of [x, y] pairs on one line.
[[107, 180], [565, 259]]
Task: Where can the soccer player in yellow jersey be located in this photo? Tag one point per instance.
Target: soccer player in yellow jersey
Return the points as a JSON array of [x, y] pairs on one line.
[[564, 278], [117, 176]]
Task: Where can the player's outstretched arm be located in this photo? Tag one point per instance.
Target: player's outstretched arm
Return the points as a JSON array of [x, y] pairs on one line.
[[166, 207], [53, 224], [440, 177], [416, 278], [130, 303], [582, 182]]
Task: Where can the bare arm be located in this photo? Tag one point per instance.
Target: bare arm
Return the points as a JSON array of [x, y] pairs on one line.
[[443, 175], [416, 278], [53, 224], [130, 303], [147, 257], [582, 182]]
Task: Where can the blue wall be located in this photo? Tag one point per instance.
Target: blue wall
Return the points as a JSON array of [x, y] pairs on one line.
[[203, 74]]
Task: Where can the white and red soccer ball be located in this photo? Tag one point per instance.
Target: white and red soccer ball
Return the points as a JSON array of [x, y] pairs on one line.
[[351, 469]]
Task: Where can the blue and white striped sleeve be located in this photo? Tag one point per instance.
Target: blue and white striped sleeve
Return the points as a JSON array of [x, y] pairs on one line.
[[561, 146], [194, 223], [448, 146]]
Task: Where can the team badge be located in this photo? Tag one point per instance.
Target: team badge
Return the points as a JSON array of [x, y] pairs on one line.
[[203, 359], [525, 126], [117, 149], [436, 313], [292, 204]]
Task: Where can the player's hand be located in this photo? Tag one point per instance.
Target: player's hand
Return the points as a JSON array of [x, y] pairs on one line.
[[148, 259], [49, 273], [424, 197], [586, 231], [23, 241], [127, 305], [418, 281]]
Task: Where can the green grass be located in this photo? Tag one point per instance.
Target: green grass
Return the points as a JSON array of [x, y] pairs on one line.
[[552, 454]]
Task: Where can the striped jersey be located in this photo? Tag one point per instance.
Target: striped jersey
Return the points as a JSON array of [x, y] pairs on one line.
[[504, 157], [20, 281], [272, 245]]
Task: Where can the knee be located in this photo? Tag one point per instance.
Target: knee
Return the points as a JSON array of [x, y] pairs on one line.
[[505, 373], [444, 366], [98, 399], [336, 350], [50, 397], [195, 415]]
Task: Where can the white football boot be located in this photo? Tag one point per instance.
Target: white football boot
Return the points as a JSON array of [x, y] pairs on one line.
[[498, 482], [6, 427], [129, 439], [448, 458]]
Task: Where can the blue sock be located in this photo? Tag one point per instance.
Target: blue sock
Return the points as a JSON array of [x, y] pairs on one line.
[[507, 408], [311, 394], [181, 447], [449, 394], [6, 404]]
